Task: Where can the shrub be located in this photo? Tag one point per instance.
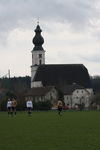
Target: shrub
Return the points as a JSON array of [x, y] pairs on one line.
[[46, 105]]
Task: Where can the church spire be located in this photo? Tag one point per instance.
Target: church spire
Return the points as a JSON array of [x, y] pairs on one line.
[[38, 39], [38, 22], [38, 53]]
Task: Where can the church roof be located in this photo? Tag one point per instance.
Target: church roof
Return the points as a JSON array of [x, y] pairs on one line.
[[63, 74], [38, 91]]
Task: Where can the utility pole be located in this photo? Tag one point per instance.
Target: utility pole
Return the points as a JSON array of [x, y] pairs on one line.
[[9, 73]]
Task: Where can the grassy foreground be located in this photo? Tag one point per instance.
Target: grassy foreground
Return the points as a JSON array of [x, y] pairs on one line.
[[48, 131]]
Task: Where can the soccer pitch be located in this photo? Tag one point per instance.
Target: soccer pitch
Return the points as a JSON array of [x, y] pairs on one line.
[[49, 131]]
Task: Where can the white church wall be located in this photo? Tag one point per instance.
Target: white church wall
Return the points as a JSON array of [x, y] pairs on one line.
[[33, 72], [37, 56]]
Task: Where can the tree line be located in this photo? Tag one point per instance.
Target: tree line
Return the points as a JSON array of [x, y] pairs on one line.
[[16, 87]]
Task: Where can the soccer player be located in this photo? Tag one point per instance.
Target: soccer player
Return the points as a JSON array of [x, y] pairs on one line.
[[60, 107], [29, 106], [14, 104], [9, 106]]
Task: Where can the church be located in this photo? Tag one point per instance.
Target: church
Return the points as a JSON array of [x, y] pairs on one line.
[[59, 76]]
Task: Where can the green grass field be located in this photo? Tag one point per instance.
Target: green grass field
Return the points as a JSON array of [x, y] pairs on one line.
[[48, 131]]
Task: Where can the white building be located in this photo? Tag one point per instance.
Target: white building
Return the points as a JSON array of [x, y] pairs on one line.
[[42, 94], [76, 95]]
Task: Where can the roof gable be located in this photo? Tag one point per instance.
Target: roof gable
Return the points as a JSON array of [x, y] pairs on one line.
[[71, 88], [39, 91]]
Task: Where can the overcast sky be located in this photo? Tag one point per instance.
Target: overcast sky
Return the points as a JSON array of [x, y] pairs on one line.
[[71, 30]]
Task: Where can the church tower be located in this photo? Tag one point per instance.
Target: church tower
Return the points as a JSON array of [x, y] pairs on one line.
[[38, 53]]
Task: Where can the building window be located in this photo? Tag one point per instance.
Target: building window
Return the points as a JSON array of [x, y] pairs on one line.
[[40, 55], [40, 62]]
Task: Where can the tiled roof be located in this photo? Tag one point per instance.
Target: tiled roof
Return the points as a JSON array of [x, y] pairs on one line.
[[38, 91], [65, 74], [71, 88]]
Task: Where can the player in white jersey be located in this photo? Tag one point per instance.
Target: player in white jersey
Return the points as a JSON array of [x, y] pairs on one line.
[[9, 106], [29, 106]]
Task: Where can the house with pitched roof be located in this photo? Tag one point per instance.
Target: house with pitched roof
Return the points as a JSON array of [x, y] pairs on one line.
[[42, 94], [76, 95]]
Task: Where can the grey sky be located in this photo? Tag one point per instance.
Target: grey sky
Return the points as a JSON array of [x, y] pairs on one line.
[[71, 30]]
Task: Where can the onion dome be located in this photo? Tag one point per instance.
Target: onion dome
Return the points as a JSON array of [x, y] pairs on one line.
[[38, 39]]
